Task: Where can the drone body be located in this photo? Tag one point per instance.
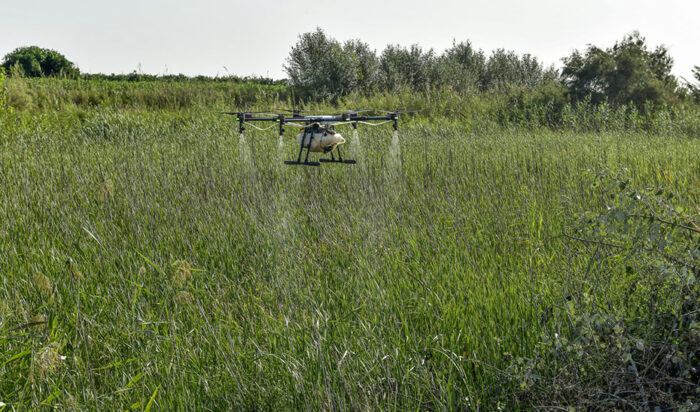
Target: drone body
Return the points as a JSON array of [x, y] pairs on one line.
[[324, 141], [318, 133]]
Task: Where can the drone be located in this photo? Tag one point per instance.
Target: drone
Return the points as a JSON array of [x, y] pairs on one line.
[[318, 132]]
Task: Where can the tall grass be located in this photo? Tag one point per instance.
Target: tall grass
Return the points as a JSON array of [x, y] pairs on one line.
[[145, 263], [545, 106]]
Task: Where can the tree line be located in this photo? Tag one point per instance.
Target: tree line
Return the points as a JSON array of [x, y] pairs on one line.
[[34, 61], [629, 72], [321, 68]]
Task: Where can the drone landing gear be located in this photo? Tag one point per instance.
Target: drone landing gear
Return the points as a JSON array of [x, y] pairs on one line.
[[303, 146], [339, 160], [294, 162]]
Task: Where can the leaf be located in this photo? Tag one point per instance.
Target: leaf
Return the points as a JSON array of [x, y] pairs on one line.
[[151, 263], [134, 380], [17, 356], [150, 402], [115, 364], [51, 397]]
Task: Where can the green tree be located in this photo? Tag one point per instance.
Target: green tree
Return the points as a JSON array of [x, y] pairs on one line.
[[366, 63], [36, 62], [400, 66], [318, 67], [626, 73], [505, 69], [462, 67]]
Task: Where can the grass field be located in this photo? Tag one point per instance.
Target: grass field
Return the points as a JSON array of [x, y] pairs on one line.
[[150, 260]]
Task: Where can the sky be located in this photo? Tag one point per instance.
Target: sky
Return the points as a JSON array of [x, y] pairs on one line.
[[217, 37]]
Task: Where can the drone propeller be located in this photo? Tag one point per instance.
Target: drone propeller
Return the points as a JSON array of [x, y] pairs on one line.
[[398, 111], [355, 112], [248, 114], [295, 111]]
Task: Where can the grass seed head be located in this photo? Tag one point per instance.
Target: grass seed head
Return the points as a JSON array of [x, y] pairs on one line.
[[47, 361], [42, 284], [181, 272], [184, 298], [78, 275], [106, 190], [39, 321], [5, 311]]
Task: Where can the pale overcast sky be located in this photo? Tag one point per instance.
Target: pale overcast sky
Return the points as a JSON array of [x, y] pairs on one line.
[[254, 37]]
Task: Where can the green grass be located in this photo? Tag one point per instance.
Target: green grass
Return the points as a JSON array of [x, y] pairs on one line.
[[382, 285]]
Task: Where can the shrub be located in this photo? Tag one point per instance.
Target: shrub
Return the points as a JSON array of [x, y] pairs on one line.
[[34, 61], [643, 354]]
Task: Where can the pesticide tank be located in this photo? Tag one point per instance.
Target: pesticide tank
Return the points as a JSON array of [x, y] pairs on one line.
[[323, 142]]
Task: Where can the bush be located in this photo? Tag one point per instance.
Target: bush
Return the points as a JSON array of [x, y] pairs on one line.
[[34, 61], [645, 354]]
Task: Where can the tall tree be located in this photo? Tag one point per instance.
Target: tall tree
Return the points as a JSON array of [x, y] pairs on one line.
[[462, 67], [505, 69], [412, 67], [318, 67], [626, 73], [366, 63]]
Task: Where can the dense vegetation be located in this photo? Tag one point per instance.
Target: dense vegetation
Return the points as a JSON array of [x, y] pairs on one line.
[[511, 248], [695, 88], [628, 73], [35, 61]]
